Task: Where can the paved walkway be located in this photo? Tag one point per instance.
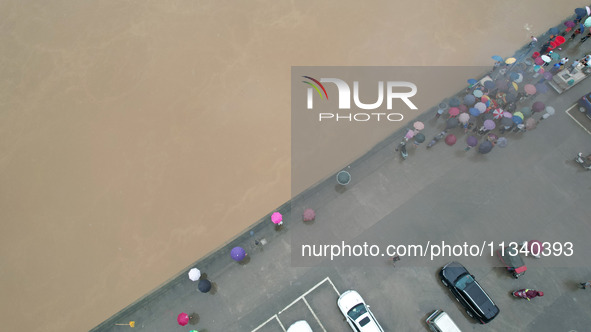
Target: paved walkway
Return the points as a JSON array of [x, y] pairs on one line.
[[530, 189]]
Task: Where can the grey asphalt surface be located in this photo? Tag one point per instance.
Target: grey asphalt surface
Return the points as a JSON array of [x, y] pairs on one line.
[[531, 189]]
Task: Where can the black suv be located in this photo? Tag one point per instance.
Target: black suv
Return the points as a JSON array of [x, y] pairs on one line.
[[468, 292]]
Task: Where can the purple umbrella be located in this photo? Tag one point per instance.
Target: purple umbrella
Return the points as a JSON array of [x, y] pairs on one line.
[[480, 106], [489, 124], [507, 115], [238, 253], [538, 106], [472, 141], [541, 88], [485, 147], [569, 24], [548, 75]]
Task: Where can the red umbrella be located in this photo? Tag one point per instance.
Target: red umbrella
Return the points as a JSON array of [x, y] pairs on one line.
[[183, 319], [498, 113], [559, 40], [309, 215], [450, 139]]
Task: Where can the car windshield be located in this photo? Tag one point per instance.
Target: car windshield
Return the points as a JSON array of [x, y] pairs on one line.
[[364, 321], [464, 282], [357, 311]]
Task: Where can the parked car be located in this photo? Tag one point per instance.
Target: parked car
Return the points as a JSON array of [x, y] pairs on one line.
[[585, 104], [299, 326], [439, 321], [357, 313], [468, 292]]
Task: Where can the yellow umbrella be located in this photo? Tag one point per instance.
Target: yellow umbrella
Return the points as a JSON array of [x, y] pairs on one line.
[[510, 60], [130, 324], [515, 86]]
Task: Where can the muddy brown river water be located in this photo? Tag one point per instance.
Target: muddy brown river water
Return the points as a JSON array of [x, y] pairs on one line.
[[137, 136]]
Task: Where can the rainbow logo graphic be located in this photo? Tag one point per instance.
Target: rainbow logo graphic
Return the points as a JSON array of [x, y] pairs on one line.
[[318, 84]]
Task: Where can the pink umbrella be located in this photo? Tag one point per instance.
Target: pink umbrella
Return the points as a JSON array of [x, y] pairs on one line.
[[454, 111], [530, 89], [530, 123], [508, 115], [309, 215], [498, 113], [409, 134], [450, 139], [481, 107], [277, 218], [489, 124], [419, 125], [183, 319]]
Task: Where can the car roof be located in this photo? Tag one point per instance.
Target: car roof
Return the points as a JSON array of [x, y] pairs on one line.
[[453, 270], [300, 326], [485, 304]]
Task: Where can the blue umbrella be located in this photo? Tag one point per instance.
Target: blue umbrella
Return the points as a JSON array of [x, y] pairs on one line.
[[454, 102], [517, 119], [238, 253], [489, 85], [553, 31], [469, 100], [497, 58], [472, 81], [580, 12], [474, 111]]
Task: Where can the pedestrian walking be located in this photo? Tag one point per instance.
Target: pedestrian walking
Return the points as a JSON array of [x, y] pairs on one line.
[[563, 61], [586, 284], [585, 37], [533, 41], [395, 259], [574, 65], [578, 31]]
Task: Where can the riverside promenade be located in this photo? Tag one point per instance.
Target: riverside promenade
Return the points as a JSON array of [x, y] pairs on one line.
[[530, 189]]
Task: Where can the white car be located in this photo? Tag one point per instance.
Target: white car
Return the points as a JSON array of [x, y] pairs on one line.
[[357, 312], [300, 326]]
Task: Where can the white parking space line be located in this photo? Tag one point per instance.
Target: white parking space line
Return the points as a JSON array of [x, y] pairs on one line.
[[301, 297], [314, 314], [567, 112], [268, 320]]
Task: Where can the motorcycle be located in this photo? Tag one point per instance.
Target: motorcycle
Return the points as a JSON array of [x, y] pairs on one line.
[[527, 294], [585, 163], [402, 148], [437, 138]]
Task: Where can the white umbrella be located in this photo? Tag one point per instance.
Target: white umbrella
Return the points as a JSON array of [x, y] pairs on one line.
[[550, 110], [194, 274]]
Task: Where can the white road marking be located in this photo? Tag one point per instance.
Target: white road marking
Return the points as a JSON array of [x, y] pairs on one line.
[[567, 112], [301, 297]]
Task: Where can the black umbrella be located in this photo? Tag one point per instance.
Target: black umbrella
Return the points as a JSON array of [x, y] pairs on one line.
[[452, 123], [485, 147], [487, 116], [454, 102], [501, 84], [506, 121], [204, 286]]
